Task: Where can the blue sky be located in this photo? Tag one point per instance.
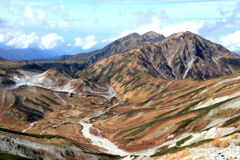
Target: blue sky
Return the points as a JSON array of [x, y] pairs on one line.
[[73, 26]]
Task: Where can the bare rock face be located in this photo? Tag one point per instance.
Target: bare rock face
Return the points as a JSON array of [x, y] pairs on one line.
[[187, 55], [124, 44]]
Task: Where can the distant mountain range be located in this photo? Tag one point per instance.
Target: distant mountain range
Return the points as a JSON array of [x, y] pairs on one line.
[[2, 59], [26, 54]]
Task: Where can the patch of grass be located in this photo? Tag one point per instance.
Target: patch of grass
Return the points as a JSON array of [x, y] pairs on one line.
[[223, 87], [176, 149], [129, 113], [185, 123], [133, 80], [175, 92], [164, 114], [189, 106], [231, 121], [50, 100], [148, 100], [6, 156], [38, 104], [141, 128], [44, 103], [205, 110], [119, 78], [156, 104], [111, 73], [189, 93], [179, 143], [137, 86]]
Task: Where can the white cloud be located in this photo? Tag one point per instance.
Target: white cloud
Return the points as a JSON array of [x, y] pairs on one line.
[[155, 25], [35, 16], [20, 40], [62, 6], [50, 41], [60, 23], [2, 38], [78, 41], [158, 26], [85, 43], [232, 41]]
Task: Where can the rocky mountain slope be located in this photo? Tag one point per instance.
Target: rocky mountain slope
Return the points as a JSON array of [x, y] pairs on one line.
[[174, 99], [180, 56], [118, 46]]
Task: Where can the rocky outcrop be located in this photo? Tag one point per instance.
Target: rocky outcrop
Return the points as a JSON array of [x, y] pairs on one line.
[[124, 44]]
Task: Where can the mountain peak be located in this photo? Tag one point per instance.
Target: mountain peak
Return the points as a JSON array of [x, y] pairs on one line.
[[131, 35], [153, 36], [151, 33], [186, 34]]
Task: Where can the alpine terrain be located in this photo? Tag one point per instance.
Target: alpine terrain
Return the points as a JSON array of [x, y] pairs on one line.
[[142, 97]]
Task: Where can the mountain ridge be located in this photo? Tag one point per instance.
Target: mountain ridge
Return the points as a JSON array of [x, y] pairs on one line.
[[120, 45], [179, 56]]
